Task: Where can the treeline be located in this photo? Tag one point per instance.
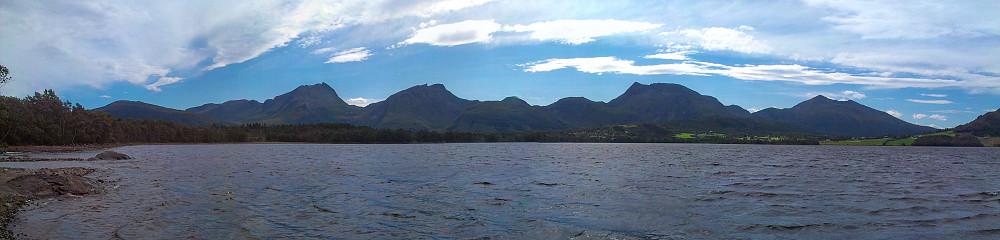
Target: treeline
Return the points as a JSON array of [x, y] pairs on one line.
[[44, 119], [959, 140]]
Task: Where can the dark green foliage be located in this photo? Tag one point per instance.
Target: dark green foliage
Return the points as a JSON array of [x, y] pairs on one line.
[[959, 140], [986, 125], [735, 128], [4, 75], [844, 118], [140, 110]]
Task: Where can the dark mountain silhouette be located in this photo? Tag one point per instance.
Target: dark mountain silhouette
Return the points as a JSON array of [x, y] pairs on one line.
[[661, 102], [509, 115], [844, 118], [139, 110], [231, 111], [581, 112], [420, 107], [433, 107], [985, 125], [306, 104]]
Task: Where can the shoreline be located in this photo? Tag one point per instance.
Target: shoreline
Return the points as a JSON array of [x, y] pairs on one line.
[[20, 186], [61, 149]]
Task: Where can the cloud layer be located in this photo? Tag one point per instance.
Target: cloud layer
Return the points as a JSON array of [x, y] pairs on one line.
[[786, 72], [873, 44]]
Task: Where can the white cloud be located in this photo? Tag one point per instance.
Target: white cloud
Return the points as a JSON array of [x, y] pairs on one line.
[[324, 50], [678, 55], [843, 95], [450, 5], [933, 95], [932, 116], [953, 111], [613, 65], [352, 55], [789, 73], [162, 81], [104, 96], [894, 113], [580, 31], [465, 32], [718, 38], [672, 51], [910, 19], [362, 102], [930, 101], [141, 42]]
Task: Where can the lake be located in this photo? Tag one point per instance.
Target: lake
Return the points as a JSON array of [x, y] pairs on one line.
[[529, 191]]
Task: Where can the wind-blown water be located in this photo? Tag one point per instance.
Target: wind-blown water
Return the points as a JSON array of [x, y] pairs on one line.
[[526, 190]]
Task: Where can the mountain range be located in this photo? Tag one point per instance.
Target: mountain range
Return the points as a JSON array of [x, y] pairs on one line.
[[433, 107]]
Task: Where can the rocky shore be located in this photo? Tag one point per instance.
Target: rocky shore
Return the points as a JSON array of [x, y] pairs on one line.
[[19, 186]]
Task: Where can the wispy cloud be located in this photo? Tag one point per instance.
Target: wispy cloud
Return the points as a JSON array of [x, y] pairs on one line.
[[930, 101], [719, 38], [351, 55], [362, 102], [141, 42], [465, 32], [843, 95], [104, 96], [580, 31], [789, 73], [155, 86], [952, 111], [920, 20], [894, 113], [932, 116], [933, 95]]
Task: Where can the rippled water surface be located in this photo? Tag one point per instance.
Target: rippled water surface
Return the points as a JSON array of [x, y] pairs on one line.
[[526, 190]]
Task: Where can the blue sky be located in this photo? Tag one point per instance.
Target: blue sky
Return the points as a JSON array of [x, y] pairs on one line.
[[928, 62]]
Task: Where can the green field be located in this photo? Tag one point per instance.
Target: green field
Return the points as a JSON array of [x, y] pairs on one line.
[[765, 138], [699, 135], [685, 135], [902, 142], [948, 133]]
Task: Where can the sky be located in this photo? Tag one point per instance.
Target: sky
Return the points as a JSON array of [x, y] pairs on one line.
[[933, 63]]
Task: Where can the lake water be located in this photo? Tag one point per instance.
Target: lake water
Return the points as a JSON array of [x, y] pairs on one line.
[[529, 191]]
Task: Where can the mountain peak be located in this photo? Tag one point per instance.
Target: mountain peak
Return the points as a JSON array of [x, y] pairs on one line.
[[514, 100], [820, 97], [139, 110]]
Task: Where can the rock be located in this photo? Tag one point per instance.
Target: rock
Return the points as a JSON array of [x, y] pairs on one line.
[[50, 182], [111, 155], [40, 185]]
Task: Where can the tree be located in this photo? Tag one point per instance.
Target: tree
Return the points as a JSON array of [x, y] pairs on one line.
[[4, 76], [5, 114]]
